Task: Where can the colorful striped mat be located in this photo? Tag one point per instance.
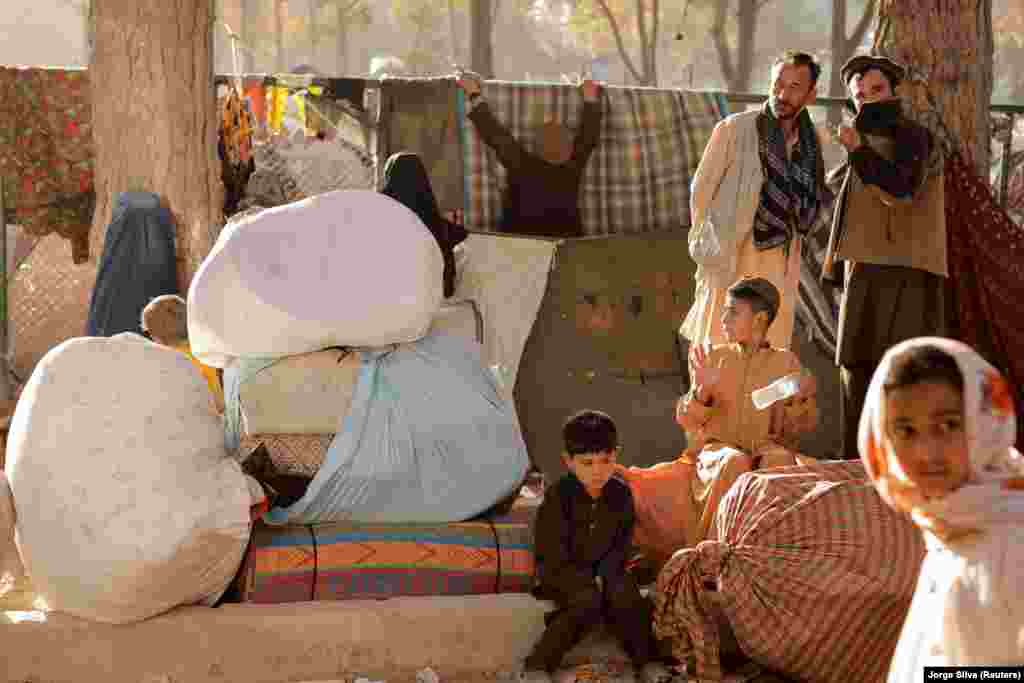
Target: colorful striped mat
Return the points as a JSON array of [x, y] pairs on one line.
[[348, 561]]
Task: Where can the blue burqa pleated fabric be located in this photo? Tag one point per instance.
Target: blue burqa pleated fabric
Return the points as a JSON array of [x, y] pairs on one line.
[[429, 438], [137, 264]]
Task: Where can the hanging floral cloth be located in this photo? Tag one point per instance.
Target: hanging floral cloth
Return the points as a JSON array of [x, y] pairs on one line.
[[235, 149], [46, 153]]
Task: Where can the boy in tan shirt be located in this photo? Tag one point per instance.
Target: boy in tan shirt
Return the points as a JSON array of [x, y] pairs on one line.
[[726, 433]]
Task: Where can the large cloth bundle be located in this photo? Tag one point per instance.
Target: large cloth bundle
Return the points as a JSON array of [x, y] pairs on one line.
[[349, 561], [126, 502], [814, 572], [306, 394], [346, 268], [10, 563], [295, 406], [429, 437]]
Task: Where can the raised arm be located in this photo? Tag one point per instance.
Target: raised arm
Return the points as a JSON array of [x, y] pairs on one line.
[[902, 176], [588, 134], [510, 152]]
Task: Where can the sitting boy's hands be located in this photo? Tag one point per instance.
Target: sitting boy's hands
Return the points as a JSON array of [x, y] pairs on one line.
[[703, 374]]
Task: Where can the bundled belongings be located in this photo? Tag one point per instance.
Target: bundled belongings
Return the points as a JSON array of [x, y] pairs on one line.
[[10, 563], [346, 268], [305, 394], [348, 561], [294, 407], [127, 504], [427, 435], [813, 572]]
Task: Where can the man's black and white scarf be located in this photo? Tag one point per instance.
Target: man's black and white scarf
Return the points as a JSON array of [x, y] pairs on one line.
[[793, 191]]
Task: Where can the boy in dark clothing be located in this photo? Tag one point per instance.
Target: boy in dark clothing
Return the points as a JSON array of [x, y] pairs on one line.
[[582, 542], [543, 189]]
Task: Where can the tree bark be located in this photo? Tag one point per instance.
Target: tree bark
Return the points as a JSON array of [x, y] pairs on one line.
[[949, 46], [481, 46], [155, 118]]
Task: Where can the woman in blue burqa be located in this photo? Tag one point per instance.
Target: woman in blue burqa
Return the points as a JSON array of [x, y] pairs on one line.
[[406, 181]]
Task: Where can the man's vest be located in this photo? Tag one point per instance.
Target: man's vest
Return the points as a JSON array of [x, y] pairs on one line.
[[872, 226]]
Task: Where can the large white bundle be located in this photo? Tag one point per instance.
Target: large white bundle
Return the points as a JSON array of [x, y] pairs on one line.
[[346, 268], [10, 563], [127, 504]]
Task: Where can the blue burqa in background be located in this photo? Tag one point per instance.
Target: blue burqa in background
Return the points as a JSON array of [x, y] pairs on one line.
[[137, 264]]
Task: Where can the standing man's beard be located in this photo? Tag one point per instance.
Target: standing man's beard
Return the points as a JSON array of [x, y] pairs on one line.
[[782, 110]]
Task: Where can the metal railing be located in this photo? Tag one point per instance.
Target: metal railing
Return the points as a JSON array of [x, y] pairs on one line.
[[1011, 111]]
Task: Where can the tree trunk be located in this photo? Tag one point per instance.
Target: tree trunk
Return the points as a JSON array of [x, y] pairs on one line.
[[314, 34], [747, 18], [155, 118], [247, 57], [843, 47], [453, 24], [647, 74], [90, 29], [737, 65], [279, 19], [342, 43], [836, 87], [949, 45], [481, 48]]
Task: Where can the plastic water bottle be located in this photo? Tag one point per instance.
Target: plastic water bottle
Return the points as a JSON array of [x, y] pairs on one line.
[[779, 390]]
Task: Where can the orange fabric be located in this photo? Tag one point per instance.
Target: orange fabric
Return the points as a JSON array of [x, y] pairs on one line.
[[665, 513], [208, 373]]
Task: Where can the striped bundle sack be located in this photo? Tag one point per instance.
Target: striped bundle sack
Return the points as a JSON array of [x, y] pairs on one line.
[[814, 575]]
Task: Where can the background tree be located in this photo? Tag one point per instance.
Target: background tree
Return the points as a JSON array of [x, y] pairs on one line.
[[737, 59], [481, 37], [155, 117], [347, 16], [280, 20], [646, 27], [429, 49], [843, 47], [949, 45]]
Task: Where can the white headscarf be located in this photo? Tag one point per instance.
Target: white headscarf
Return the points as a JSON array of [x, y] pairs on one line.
[[994, 492]]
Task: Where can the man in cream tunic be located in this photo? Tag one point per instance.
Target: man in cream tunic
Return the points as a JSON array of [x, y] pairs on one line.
[[762, 181]]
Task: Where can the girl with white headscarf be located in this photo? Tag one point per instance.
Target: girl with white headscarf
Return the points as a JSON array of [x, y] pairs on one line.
[[936, 437]]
